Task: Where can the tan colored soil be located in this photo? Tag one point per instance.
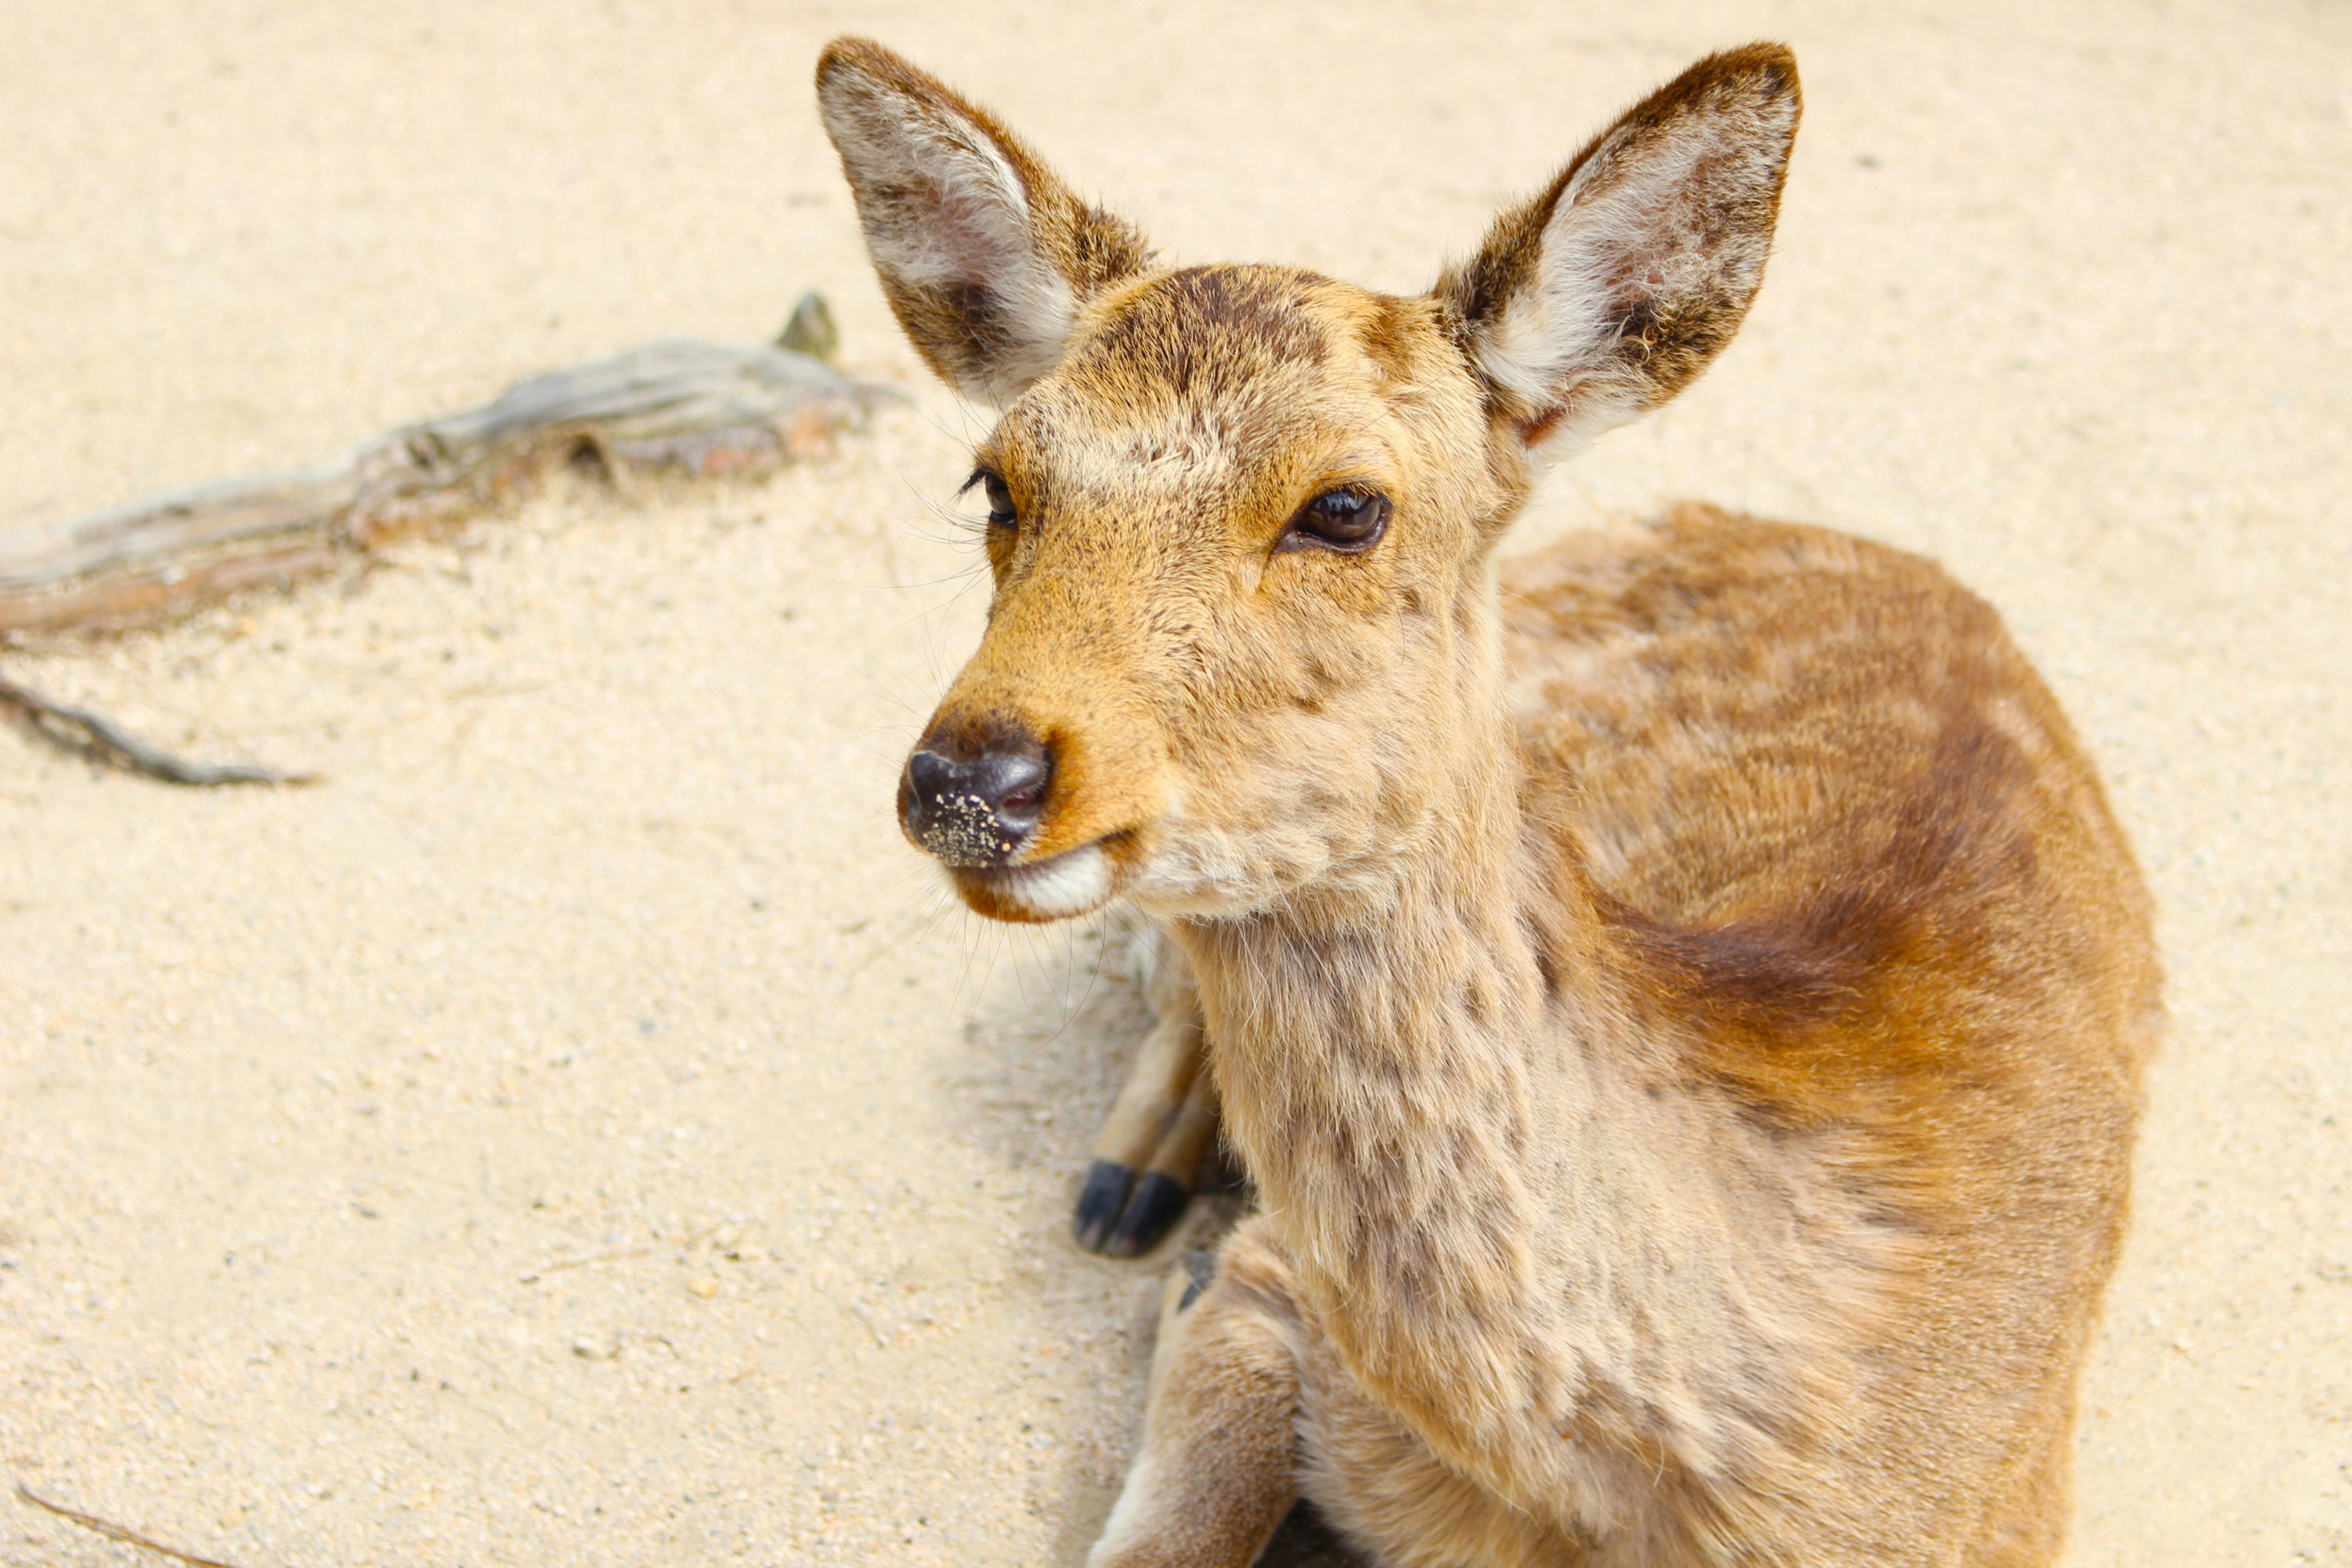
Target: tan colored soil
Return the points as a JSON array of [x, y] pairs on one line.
[[579, 1130]]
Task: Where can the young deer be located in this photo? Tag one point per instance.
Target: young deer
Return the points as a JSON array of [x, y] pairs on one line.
[[1681, 996]]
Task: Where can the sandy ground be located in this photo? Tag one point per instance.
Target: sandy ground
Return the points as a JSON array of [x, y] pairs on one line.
[[579, 1130]]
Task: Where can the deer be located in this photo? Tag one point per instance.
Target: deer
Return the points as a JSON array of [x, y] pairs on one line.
[[1680, 996]]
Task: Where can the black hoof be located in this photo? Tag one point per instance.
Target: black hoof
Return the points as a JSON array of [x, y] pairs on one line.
[[1156, 1205], [1099, 1204], [1200, 1270]]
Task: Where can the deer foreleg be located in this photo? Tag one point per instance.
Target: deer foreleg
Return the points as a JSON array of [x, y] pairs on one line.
[[1147, 1163], [1218, 1469]]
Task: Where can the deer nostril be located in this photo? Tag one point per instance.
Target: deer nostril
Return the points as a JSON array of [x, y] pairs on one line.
[[975, 811], [929, 776]]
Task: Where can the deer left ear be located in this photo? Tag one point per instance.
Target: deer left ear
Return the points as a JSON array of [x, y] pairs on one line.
[[1608, 293], [984, 254]]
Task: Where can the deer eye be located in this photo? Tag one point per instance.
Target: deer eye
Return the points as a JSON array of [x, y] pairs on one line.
[[1000, 499], [1348, 521]]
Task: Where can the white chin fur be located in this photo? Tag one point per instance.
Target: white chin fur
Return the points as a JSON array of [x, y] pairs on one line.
[[1068, 884]]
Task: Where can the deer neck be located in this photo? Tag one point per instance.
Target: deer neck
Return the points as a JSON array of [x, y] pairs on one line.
[[1372, 1046], [1449, 1123], [1380, 1052]]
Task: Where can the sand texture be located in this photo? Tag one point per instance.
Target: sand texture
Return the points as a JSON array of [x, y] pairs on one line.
[[580, 1130]]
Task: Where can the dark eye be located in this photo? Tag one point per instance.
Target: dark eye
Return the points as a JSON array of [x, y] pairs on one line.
[[1000, 499], [1348, 521]]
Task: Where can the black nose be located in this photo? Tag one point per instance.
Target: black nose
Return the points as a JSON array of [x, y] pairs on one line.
[[975, 811]]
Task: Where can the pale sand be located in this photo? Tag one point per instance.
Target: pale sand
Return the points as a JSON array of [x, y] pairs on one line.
[[599, 935]]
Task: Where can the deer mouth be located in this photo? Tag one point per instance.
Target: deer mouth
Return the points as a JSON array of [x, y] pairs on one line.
[[1076, 882]]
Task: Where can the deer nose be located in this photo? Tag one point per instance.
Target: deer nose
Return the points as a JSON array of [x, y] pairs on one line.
[[975, 811]]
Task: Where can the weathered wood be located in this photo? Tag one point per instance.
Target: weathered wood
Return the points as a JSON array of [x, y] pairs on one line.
[[680, 405]]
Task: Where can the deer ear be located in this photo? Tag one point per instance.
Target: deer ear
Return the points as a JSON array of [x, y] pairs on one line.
[[984, 254], [1610, 293]]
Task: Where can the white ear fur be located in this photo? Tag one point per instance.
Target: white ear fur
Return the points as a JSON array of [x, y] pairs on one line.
[[946, 211], [1602, 299], [984, 254], [1556, 342]]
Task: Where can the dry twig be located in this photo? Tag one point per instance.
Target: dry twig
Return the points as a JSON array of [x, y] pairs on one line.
[[101, 739], [114, 1532]]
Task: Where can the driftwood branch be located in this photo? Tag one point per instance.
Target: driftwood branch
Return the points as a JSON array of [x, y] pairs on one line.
[[101, 739], [114, 1532], [680, 405]]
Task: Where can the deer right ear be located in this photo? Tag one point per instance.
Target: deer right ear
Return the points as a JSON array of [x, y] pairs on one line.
[[983, 254], [1608, 293]]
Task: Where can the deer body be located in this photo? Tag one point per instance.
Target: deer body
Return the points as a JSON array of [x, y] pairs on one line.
[[1681, 1003]]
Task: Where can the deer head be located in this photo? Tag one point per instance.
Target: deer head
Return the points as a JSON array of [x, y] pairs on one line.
[[1243, 641]]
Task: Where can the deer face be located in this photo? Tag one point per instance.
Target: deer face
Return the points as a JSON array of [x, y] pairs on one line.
[[1239, 517], [1230, 533]]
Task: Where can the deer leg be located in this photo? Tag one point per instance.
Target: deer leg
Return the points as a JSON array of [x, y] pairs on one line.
[[1147, 1161], [1168, 1183], [1218, 1469]]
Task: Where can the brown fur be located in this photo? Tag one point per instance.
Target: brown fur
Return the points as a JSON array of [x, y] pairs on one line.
[[1681, 998]]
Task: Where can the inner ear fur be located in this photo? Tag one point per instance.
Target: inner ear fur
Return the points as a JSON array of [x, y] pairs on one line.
[[984, 256], [1608, 293]]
